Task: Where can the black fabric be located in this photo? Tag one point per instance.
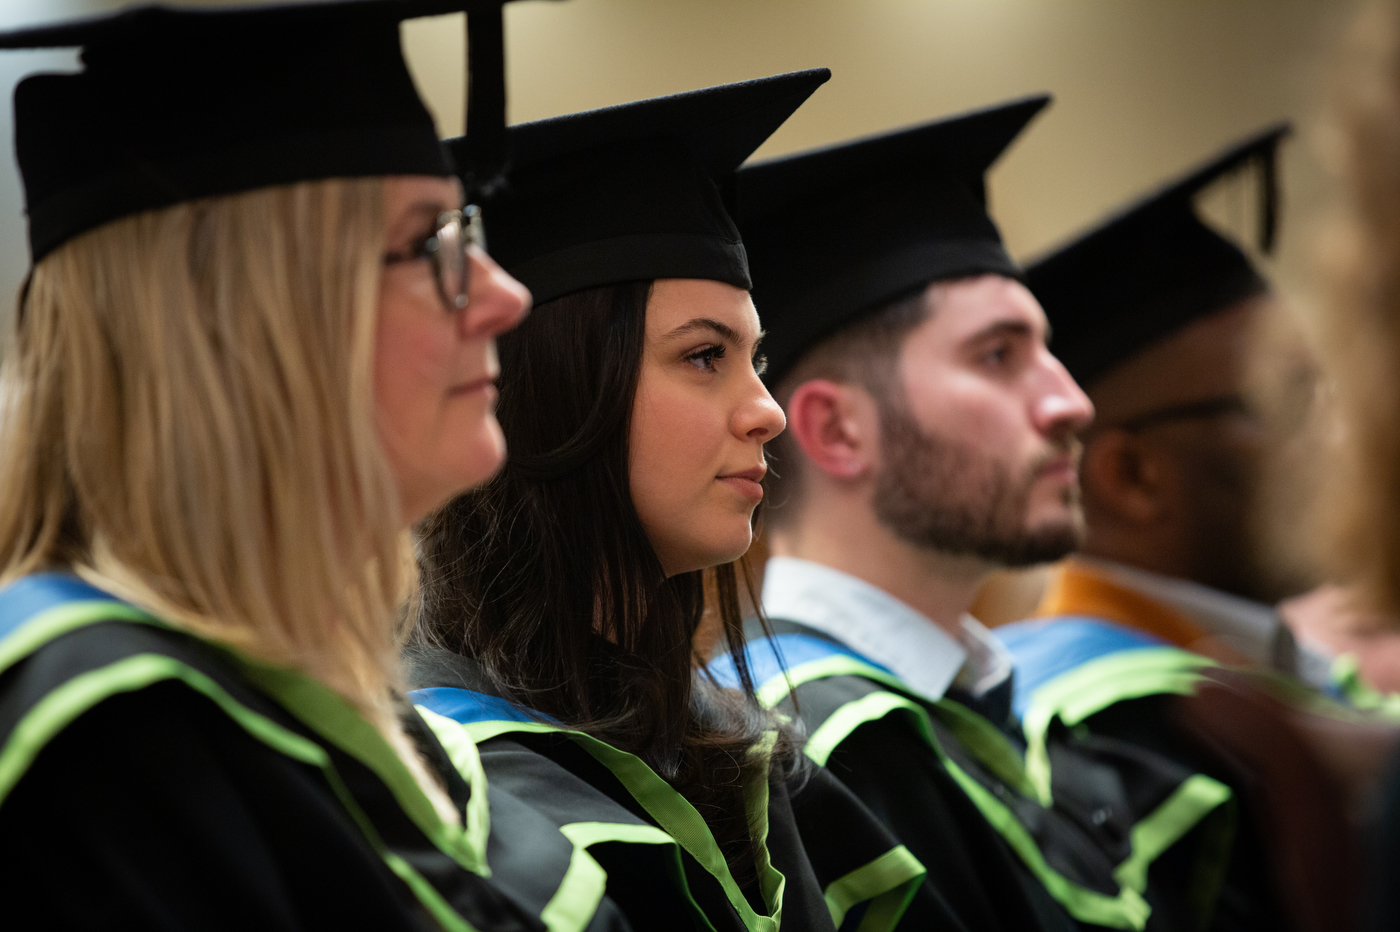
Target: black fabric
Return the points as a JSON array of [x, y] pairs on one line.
[[1247, 899], [165, 775], [1381, 908], [178, 104], [633, 192], [155, 811], [483, 155], [1151, 268], [838, 232], [818, 830], [972, 873], [1102, 784]]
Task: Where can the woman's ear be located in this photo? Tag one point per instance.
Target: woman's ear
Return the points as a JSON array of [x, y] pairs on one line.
[[833, 423], [1122, 478]]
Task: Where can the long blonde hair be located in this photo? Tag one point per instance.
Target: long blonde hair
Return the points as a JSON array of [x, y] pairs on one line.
[[188, 421]]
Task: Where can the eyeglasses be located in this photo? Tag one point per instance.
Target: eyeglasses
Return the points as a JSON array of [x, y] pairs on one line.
[[457, 231], [1192, 410]]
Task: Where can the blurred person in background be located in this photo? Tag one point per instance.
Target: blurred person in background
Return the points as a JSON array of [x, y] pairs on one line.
[[255, 345], [931, 440], [1173, 594], [560, 602], [1360, 353], [1154, 313]]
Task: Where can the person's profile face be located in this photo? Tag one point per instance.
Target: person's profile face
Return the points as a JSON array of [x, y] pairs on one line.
[[434, 364], [981, 447], [699, 422]]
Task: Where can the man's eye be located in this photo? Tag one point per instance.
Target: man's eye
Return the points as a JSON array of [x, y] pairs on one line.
[[997, 355], [704, 359], [760, 364]]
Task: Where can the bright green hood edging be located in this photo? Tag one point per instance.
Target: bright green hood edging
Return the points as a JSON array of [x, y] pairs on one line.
[[363, 742], [1187, 806]]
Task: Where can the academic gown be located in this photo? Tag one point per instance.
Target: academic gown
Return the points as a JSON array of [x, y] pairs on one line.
[[836, 863], [1142, 642], [147, 782], [918, 765]]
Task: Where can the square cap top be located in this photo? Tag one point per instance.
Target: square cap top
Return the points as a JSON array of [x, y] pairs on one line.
[[175, 104], [635, 191], [838, 232], [1153, 267]]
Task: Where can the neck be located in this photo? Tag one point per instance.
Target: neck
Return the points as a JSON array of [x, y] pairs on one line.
[[851, 539]]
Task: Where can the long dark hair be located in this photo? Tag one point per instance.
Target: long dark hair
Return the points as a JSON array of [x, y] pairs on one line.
[[546, 576]]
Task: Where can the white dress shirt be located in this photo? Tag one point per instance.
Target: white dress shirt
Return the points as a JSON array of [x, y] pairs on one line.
[[877, 625]]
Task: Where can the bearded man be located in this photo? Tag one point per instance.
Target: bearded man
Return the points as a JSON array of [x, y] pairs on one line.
[[931, 440]]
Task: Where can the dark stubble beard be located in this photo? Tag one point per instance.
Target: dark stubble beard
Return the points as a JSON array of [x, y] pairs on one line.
[[941, 495]]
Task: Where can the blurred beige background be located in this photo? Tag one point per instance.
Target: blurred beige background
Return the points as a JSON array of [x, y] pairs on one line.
[[1142, 89]]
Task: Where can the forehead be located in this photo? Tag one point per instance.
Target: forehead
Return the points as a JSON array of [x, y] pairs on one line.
[[966, 308], [675, 302], [1207, 358]]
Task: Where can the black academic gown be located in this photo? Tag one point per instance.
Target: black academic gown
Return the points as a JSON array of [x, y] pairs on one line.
[[1101, 787], [148, 784], [818, 834]]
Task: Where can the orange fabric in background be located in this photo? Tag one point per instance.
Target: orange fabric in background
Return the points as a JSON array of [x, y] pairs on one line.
[[1075, 589]]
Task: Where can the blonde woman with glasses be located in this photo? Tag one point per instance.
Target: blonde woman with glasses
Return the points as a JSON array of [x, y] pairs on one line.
[[256, 345]]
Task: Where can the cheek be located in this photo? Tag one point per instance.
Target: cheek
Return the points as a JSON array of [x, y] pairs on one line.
[[411, 363]]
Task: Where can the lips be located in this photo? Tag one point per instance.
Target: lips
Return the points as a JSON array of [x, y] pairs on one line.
[[746, 482], [1065, 466], [485, 384]]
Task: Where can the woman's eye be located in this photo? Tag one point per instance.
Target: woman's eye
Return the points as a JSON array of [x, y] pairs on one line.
[[704, 359], [760, 364], [420, 248]]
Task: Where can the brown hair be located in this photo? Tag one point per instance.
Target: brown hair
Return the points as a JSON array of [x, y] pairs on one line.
[[865, 353]]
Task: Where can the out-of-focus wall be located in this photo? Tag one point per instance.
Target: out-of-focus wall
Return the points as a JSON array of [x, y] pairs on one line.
[[1143, 88]]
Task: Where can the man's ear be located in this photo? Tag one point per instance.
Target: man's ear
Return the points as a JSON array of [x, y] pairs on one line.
[[835, 426], [1121, 476]]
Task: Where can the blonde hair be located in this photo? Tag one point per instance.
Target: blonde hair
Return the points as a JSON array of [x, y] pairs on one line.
[[188, 422], [1360, 331]]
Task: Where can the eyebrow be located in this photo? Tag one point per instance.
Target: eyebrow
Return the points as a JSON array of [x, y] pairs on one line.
[[1017, 328], [427, 209], [724, 331]]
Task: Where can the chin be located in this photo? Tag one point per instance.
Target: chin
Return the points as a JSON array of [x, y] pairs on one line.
[[735, 546], [718, 551], [483, 460]]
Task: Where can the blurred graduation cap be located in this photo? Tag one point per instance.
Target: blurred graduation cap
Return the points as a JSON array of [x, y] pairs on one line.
[[836, 233], [1154, 267], [175, 104], [635, 191]]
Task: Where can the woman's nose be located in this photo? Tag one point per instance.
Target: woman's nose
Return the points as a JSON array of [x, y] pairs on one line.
[[496, 301], [761, 418]]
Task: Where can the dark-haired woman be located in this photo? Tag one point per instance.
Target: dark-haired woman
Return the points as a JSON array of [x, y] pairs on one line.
[[561, 601]]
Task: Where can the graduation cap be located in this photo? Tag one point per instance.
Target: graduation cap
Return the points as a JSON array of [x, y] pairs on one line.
[[838, 232], [1153, 268], [634, 192], [175, 104]]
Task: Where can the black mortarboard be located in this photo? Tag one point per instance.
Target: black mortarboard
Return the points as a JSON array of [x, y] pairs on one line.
[[837, 232], [175, 104], [634, 192], [1152, 268]]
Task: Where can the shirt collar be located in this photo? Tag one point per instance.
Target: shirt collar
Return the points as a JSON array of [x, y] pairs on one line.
[[877, 625]]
